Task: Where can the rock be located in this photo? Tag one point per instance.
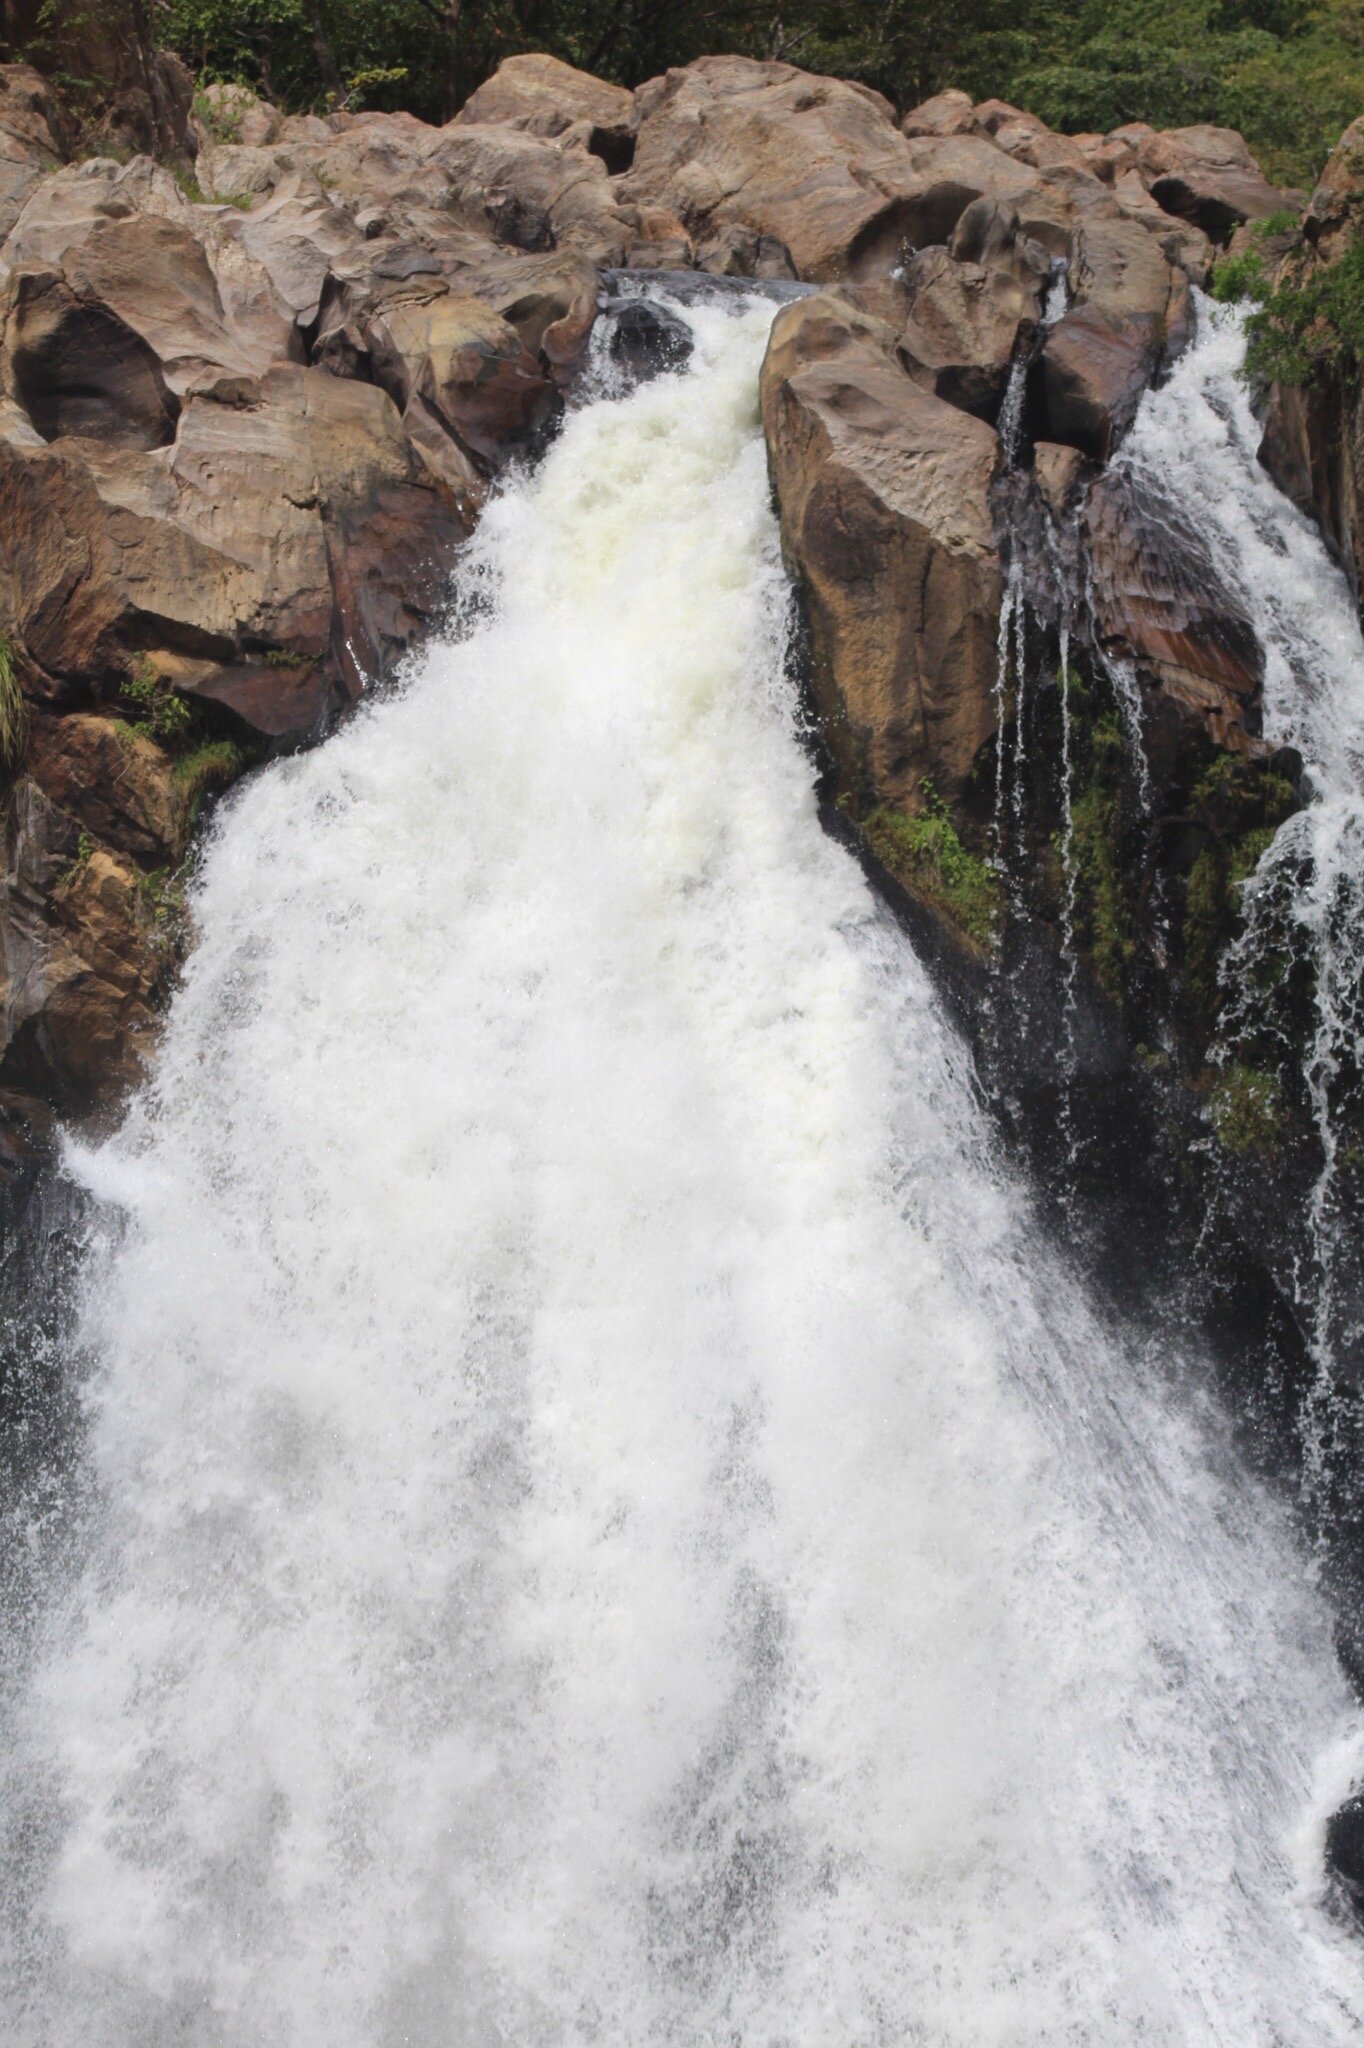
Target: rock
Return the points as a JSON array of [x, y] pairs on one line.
[[546, 97], [458, 359], [1313, 444], [1157, 600], [1331, 223], [947, 113], [1207, 175], [32, 138], [84, 965], [647, 340], [1345, 1848], [1059, 473], [963, 324], [814, 164], [884, 497], [233, 114], [1129, 314], [61, 593], [113, 781]]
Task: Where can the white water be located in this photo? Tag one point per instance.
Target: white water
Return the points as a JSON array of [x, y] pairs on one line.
[[1197, 439], [613, 1529]]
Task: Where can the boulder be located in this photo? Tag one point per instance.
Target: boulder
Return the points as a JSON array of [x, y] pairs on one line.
[[947, 113], [230, 113], [113, 780], [547, 97], [1313, 444], [814, 164], [884, 496], [1208, 176], [1129, 314], [963, 323], [1157, 601]]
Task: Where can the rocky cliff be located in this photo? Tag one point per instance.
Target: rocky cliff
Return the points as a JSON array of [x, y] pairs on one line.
[[248, 414]]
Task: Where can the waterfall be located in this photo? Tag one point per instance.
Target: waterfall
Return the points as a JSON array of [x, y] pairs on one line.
[[1196, 441], [605, 1520]]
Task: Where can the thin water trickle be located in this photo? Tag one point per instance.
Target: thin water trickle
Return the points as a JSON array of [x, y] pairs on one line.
[[606, 1522]]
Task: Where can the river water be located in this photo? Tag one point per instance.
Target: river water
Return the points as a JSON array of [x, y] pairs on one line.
[[602, 1519]]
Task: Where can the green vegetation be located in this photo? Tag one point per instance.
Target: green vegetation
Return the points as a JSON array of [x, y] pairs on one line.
[[1105, 924], [1243, 276], [163, 714], [1247, 1110], [1288, 73], [1241, 806], [210, 767], [1313, 321], [13, 709], [85, 847], [927, 855]]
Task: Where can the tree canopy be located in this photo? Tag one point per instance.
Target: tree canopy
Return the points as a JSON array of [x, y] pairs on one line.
[[1288, 73]]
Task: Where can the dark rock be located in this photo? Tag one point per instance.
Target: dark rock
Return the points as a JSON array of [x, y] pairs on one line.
[[646, 339], [1345, 1848]]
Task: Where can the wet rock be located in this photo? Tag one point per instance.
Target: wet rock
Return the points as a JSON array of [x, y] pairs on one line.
[[1345, 1848], [646, 339], [1129, 314], [1158, 601], [82, 965], [965, 320], [883, 491]]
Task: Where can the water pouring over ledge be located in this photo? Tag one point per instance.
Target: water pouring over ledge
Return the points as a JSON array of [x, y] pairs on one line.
[[607, 1524]]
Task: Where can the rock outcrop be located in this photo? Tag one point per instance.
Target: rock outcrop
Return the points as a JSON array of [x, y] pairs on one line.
[[1313, 443], [243, 433], [884, 492]]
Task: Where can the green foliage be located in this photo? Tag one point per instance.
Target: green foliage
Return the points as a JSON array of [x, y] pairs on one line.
[[1247, 1111], [1241, 805], [13, 710], [927, 855], [1243, 276], [1312, 322], [1103, 919], [163, 714], [85, 847], [211, 766]]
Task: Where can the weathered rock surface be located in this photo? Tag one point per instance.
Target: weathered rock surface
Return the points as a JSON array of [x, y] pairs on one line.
[[241, 440], [1313, 444], [884, 492]]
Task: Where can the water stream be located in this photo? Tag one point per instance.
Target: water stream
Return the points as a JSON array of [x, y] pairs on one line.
[[605, 1521]]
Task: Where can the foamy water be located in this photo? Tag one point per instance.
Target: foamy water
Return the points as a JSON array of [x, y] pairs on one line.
[[609, 1526]]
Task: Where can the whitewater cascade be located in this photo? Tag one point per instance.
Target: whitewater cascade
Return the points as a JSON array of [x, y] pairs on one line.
[[1196, 439], [607, 1524]]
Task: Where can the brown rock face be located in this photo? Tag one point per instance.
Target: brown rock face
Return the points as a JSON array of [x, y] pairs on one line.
[[1129, 312], [812, 163], [1208, 176], [1313, 444], [546, 97], [883, 491], [83, 965], [1158, 601], [241, 441]]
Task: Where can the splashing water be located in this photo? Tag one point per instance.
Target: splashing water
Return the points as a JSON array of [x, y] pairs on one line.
[[609, 1525], [1197, 439]]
